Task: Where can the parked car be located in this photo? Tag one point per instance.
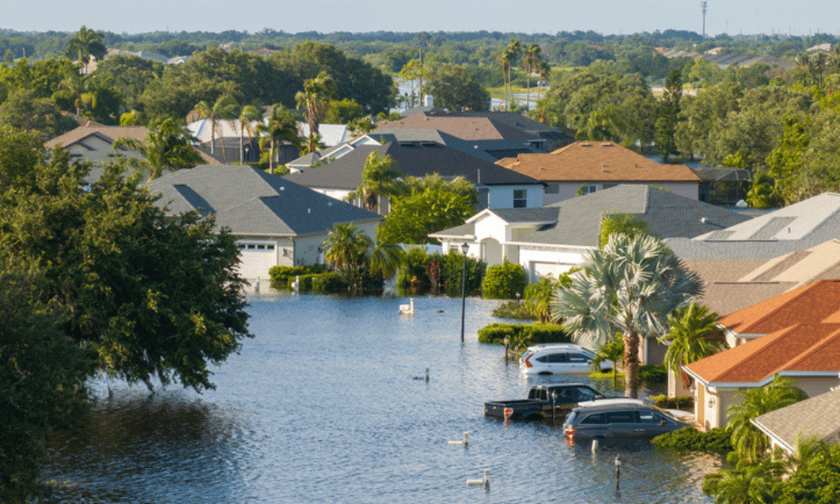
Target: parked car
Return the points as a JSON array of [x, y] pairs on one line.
[[563, 358], [545, 402], [619, 418]]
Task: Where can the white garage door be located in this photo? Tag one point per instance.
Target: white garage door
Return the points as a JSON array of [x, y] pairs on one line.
[[541, 269], [256, 258]]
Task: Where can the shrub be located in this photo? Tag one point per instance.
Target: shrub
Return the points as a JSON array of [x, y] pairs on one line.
[[282, 276], [716, 440], [526, 334], [679, 402], [513, 310], [504, 280], [414, 274], [651, 374], [495, 333], [305, 282], [328, 283]]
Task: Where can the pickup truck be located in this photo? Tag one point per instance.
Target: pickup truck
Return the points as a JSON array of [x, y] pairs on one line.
[[545, 402]]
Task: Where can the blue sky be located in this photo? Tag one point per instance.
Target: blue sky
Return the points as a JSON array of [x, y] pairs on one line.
[[605, 16]]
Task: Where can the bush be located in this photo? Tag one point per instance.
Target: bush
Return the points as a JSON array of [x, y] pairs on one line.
[[504, 280], [328, 283], [424, 273], [305, 282], [680, 402], [526, 334], [651, 374], [716, 440], [513, 310], [282, 276]]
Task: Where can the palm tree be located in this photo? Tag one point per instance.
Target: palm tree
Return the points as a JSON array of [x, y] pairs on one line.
[[748, 441], [804, 65], [630, 285], [346, 246], [380, 177], [280, 126], [762, 192], [507, 60], [315, 98], [689, 340], [86, 43], [166, 147], [77, 87], [532, 60], [247, 115], [386, 259], [225, 107]]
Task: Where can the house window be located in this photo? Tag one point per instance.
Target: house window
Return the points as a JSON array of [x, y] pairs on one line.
[[520, 198], [607, 186], [552, 189], [587, 189]]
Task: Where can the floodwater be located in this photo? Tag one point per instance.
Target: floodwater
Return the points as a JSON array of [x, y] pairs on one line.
[[324, 406]]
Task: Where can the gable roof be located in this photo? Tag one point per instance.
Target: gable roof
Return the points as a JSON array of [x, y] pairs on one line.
[[462, 126], [596, 162], [578, 222], [415, 159], [797, 350], [251, 202], [108, 133], [817, 417]]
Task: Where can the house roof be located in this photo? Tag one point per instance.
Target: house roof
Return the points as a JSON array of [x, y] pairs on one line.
[[596, 162], [488, 150], [578, 222], [797, 350], [817, 417], [109, 133], [415, 159], [465, 127], [818, 302], [795, 227], [252, 202]]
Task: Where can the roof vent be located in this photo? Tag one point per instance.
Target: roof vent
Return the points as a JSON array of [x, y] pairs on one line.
[[606, 144], [586, 145]]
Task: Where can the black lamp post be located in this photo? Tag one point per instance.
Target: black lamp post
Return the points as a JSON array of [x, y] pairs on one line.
[[464, 248]]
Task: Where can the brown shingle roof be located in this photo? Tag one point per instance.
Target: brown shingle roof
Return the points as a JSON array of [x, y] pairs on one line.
[[596, 161], [465, 128], [111, 132]]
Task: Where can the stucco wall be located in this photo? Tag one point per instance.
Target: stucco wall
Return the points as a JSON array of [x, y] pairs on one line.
[[502, 196]]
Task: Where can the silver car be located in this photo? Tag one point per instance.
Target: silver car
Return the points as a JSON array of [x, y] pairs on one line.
[[619, 418]]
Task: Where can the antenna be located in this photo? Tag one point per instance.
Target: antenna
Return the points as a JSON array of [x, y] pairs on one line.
[[704, 6]]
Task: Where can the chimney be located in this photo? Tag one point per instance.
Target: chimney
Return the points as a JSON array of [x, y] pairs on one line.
[[428, 101]]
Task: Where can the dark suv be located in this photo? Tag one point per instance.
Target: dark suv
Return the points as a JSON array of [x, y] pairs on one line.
[[624, 418]]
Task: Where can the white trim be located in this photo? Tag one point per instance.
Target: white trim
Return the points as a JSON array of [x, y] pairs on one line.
[[773, 437], [761, 383]]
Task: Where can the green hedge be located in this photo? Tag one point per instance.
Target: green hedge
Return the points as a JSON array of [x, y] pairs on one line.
[[530, 334], [504, 281], [717, 440], [679, 402], [283, 276], [328, 283], [652, 374]]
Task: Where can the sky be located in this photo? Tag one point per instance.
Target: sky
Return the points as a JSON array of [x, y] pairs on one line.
[[530, 16]]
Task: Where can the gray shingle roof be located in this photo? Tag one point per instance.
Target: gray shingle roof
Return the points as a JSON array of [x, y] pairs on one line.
[[415, 159], [251, 202], [817, 417]]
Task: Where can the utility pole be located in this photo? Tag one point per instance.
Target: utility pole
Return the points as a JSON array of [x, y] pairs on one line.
[[704, 7]]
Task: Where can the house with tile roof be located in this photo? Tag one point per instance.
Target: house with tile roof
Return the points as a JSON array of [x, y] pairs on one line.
[[94, 143], [814, 418], [275, 221], [497, 187], [795, 334], [587, 167]]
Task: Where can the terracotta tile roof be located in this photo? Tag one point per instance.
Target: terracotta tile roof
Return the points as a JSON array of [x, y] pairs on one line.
[[813, 303], [596, 161], [465, 128], [802, 348]]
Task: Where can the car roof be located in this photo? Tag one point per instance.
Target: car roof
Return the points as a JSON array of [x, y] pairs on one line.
[[547, 385], [555, 346], [614, 402]]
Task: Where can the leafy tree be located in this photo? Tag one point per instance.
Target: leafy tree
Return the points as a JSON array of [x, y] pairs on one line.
[[455, 89], [762, 193], [504, 281], [414, 73], [130, 75], [76, 88], [247, 115], [380, 177], [346, 246], [537, 296], [689, 338], [315, 99], [167, 146], [749, 442], [24, 111], [613, 351], [86, 43], [386, 259], [225, 107], [281, 126], [344, 111], [631, 225], [531, 61], [669, 109], [430, 204], [630, 285], [153, 295]]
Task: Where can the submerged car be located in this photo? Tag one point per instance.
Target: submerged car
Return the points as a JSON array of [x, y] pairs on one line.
[[561, 358], [619, 418]]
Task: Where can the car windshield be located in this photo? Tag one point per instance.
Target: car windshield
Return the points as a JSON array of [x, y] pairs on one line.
[[570, 420]]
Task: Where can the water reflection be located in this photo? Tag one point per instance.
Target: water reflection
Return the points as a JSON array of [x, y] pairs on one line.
[[322, 406]]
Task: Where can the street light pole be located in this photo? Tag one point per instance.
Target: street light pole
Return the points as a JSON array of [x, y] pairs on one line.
[[464, 248]]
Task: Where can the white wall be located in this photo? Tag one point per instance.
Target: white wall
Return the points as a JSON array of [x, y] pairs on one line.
[[502, 196]]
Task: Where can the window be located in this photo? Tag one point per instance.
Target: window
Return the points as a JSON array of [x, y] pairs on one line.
[[587, 189], [607, 186], [596, 419], [553, 358], [621, 417], [520, 198], [576, 357]]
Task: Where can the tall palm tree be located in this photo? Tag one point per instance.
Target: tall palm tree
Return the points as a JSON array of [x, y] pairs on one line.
[[247, 115], [167, 146], [748, 441], [804, 65], [513, 49], [531, 61], [386, 259], [380, 177], [630, 286], [225, 107], [691, 328], [78, 88], [280, 126], [315, 99], [86, 43], [346, 246]]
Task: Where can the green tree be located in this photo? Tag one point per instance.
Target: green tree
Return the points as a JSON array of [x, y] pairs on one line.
[[86, 43], [344, 111], [315, 100], [386, 259], [225, 107], [785, 163], [669, 109], [167, 146], [280, 126], [380, 177], [430, 204], [413, 73], [531, 61], [762, 193], [455, 89], [504, 281], [689, 338], [76, 88], [23, 110], [248, 115], [613, 351], [346, 246], [631, 225], [630, 285]]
